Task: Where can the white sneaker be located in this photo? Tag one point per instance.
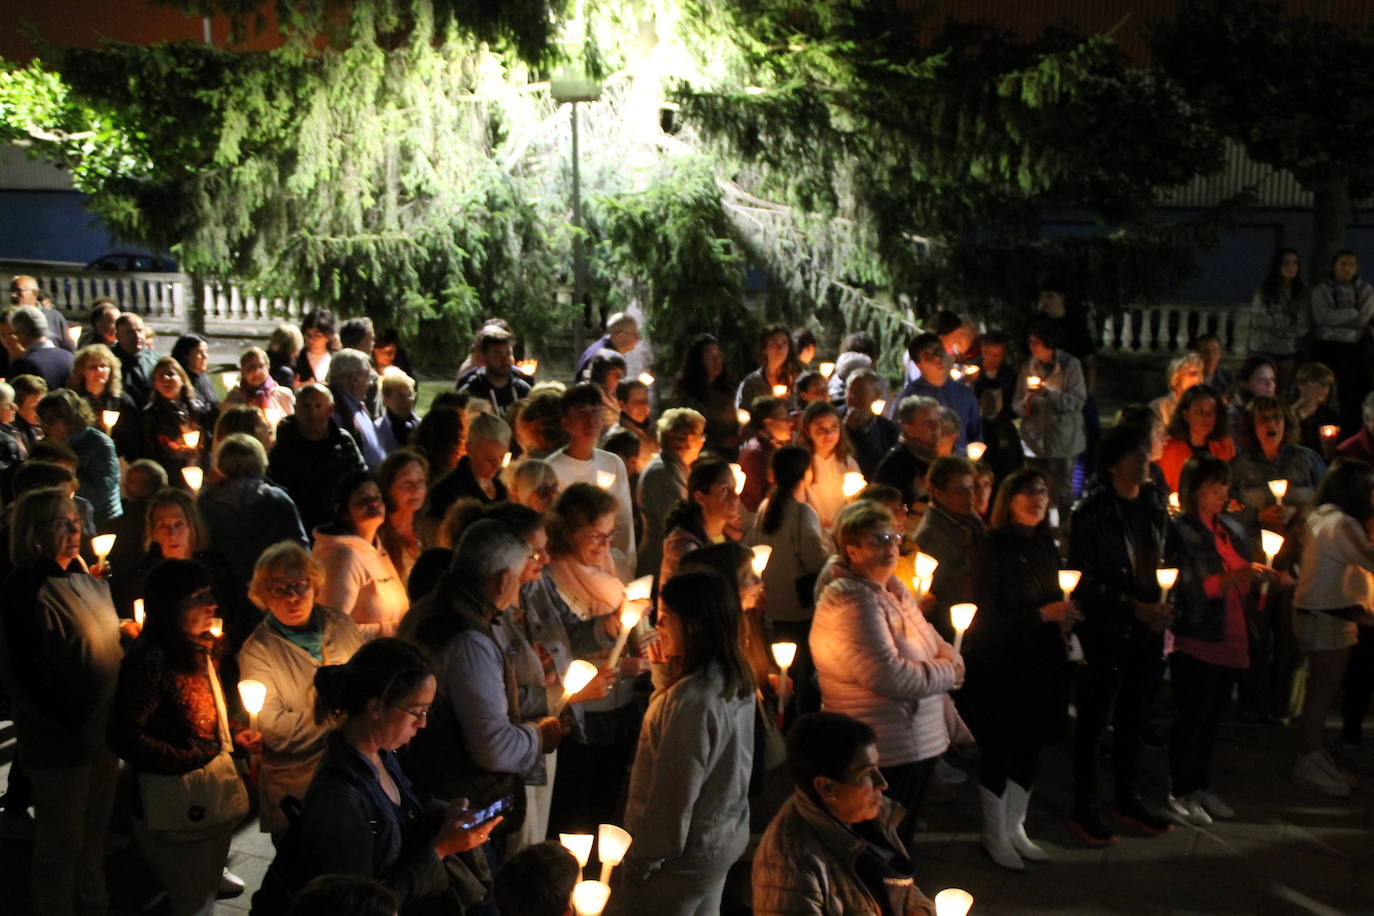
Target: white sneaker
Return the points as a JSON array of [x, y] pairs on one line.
[[1211, 803], [949, 774], [1187, 809], [1310, 772], [1339, 772]]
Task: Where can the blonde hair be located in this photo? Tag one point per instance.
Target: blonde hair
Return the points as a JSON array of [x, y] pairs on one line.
[[858, 519], [282, 556], [676, 424], [32, 512], [96, 353]]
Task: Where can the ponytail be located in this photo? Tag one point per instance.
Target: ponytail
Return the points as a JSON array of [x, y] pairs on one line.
[[387, 669]]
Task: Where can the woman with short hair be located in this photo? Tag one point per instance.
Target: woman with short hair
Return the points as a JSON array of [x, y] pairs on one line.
[[532, 482], [257, 388], [681, 436], [67, 419], [244, 511], [98, 379]]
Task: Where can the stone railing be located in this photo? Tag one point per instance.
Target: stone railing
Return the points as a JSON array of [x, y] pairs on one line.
[[1166, 330]]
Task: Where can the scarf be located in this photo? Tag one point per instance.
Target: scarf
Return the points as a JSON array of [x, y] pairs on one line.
[[309, 637], [257, 395], [595, 590]]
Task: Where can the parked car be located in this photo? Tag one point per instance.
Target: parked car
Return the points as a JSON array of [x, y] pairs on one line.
[[133, 260]]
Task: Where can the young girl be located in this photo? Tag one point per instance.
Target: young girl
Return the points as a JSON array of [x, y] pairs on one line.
[[176, 431], [830, 461]]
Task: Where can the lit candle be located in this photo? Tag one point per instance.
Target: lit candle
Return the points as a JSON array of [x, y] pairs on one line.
[[784, 653], [194, 477], [254, 694], [827, 369], [956, 373], [580, 674], [528, 366], [1280, 489], [274, 416], [1033, 382], [925, 565], [612, 843], [1052, 516], [579, 844], [1330, 432], [1068, 580], [742, 417], [217, 627], [646, 379], [639, 589], [228, 379], [779, 391], [74, 333], [878, 407], [191, 438], [961, 615], [851, 485], [1166, 578], [605, 479], [739, 477], [629, 619], [970, 371], [102, 544], [953, 902], [109, 418], [138, 611], [1175, 507], [762, 554], [976, 451], [505, 460], [1271, 542], [589, 897]]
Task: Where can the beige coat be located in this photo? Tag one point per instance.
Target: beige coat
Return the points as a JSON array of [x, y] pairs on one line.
[[360, 580]]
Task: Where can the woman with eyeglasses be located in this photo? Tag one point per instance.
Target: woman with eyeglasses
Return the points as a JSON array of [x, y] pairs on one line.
[[878, 658], [361, 815], [297, 636], [360, 579], [533, 483], [170, 718]]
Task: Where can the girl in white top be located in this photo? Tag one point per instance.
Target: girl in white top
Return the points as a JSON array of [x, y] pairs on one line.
[[360, 580], [1335, 594], [830, 461]]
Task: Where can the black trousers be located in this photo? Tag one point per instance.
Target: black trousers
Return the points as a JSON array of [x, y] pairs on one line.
[[1358, 687], [1008, 750], [1201, 693], [906, 785], [1116, 686]]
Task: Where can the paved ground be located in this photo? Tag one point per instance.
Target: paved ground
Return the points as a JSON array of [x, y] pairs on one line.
[[1287, 852]]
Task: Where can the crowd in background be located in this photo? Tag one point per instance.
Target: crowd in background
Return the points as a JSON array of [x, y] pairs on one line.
[[410, 594]]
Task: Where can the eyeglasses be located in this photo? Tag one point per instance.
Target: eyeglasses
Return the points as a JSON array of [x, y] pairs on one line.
[[600, 537], [538, 556], [885, 539], [422, 713], [288, 589]]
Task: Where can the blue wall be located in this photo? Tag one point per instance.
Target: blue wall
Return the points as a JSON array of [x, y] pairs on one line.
[[51, 226]]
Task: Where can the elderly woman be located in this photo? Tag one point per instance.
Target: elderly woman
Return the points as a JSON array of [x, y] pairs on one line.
[[96, 378], [350, 375], [687, 806], [879, 659], [703, 516], [402, 478], [478, 473], [257, 388], [170, 722], [834, 846], [59, 656], [361, 815], [296, 638], [1184, 372], [192, 351], [1199, 427], [173, 419], [1018, 689], [66, 419], [533, 483], [360, 579], [681, 435], [244, 511]]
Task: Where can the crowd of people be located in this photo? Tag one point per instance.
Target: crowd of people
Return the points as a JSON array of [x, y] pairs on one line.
[[364, 624]]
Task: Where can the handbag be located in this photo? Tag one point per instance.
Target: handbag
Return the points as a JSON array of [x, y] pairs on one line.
[[204, 800]]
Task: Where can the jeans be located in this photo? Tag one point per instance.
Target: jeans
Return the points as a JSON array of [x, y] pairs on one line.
[[1201, 692], [71, 815]]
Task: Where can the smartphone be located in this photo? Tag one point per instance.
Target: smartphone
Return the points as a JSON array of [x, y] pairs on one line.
[[498, 807]]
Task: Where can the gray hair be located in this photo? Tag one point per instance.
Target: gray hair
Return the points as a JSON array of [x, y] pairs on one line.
[[29, 321], [865, 374], [347, 363], [620, 320], [1179, 363], [241, 455], [485, 427], [6, 391], [913, 404], [486, 550], [526, 476]]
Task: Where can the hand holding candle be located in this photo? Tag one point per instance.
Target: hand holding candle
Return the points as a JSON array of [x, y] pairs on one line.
[[1068, 581], [852, 483], [631, 612], [1279, 488], [784, 653], [762, 554], [102, 544], [1271, 542], [961, 616], [580, 674], [1166, 578]]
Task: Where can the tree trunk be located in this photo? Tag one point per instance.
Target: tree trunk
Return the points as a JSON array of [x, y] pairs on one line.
[[195, 305], [1332, 212]]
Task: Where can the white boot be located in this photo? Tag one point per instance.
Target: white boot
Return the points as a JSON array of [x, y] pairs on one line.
[[1018, 800], [995, 841]]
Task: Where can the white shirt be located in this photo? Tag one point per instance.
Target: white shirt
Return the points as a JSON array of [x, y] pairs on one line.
[[570, 471]]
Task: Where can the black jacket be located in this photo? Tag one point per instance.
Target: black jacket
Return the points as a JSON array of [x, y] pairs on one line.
[[457, 484], [307, 470], [1117, 571], [1193, 551]]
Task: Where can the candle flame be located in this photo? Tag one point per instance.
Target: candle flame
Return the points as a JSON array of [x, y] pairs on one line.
[[194, 477], [254, 695], [784, 653], [762, 554], [976, 450], [827, 369], [878, 407], [851, 485], [961, 615]]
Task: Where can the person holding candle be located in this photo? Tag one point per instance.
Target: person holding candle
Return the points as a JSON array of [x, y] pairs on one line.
[[244, 512], [360, 579], [96, 378], [834, 847], [777, 367], [871, 435], [168, 720], [687, 806], [704, 517], [933, 381], [66, 419], [257, 388], [362, 815], [879, 659], [1216, 580], [952, 533], [174, 422], [681, 437], [820, 434], [1198, 426], [60, 653], [296, 637], [1312, 409], [1051, 410], [772, 429], [1118, 537]]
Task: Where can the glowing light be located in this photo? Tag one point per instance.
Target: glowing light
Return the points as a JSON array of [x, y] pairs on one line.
[[1330, 432], [505, 460], [779, 391], [580, 674], [646, 379], [217, 627], [605, 479], [784, 653], [976, 451], [1033, 382], [74, 333], [971, 371], [851, 485], [739, 477], [1175, 506], [762, 553], [1271, 543], [953, 902], [1166, 578], [1279, 488], [1068, 580], [274, 416], [109, 418], [191, 438], [527, 366], [878, 407], [254, 694], [956, 373], [138, 611], [612, 843], [961, 616], [742, 417], [827, 369], [102, 544], [589, 897], [228, 379], [194, 477], [925, 565], [579, 844], [640, 589]]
